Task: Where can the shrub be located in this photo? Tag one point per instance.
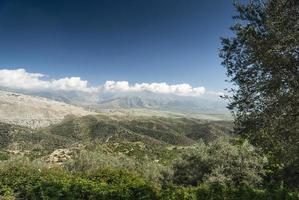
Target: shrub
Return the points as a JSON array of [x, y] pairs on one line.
[[4, 156], [220, 162], [86, 161], [31, 182], [220, 192]]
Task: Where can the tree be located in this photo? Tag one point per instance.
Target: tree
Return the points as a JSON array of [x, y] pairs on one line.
[[262, 62], [220, 162]]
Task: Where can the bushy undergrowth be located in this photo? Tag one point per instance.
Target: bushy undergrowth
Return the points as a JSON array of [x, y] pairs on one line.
[[129, 165], [220, 192], [27, 181], [86, 161], [222, 162]]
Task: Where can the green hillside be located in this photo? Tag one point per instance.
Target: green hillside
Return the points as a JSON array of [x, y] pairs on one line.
[[144, 146], [109, 157], [153, 134], [176, 131]]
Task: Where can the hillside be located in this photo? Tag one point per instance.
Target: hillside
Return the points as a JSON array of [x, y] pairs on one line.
[[154, 134], [167, 130], [48, 134], [34, 111]]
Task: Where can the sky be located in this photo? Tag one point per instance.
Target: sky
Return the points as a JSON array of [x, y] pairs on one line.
[[126, 42]]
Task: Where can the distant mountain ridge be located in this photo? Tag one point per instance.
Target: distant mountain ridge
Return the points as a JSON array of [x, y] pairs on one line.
[[133, 100], [165, 103]]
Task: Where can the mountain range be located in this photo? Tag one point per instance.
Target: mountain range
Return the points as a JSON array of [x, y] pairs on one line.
[[211, 105]]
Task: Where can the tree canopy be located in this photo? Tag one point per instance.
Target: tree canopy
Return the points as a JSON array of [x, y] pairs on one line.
[[262, 62]]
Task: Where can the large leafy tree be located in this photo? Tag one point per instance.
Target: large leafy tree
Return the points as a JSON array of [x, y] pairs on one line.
[[225, 162], [262, 62]]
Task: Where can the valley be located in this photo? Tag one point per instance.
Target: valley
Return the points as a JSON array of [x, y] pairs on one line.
[[40, 131]]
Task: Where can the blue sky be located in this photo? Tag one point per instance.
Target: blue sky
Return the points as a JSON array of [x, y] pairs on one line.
[[172, 41]]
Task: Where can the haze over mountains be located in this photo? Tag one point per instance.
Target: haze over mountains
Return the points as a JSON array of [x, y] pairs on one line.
[[40, 108], [144, 99]]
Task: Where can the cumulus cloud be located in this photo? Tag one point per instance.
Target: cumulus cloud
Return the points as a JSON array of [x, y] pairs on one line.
[[21, 79], [72, 83], [164, 88]]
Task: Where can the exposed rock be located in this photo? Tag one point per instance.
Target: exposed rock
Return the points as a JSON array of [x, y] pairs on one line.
[[34, 111], [59, 156]]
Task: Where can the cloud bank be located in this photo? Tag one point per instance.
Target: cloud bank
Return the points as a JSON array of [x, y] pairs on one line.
[[178, 89], [21, 79]]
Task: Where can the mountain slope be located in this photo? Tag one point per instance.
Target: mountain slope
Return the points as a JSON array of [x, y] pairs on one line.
[[33, 111], [165, 102]]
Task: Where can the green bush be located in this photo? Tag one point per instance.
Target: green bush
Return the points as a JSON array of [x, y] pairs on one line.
[[29, 182], [220, 192], [4, 156], [178, 193], [221, 162]]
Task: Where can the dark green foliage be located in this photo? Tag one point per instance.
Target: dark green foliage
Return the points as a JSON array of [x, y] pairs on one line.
[[220, 162], [24, 180], [28, 182], [4, 155], [220, 192], [262, 61], [68, 128], [178, 193], [6, 134]]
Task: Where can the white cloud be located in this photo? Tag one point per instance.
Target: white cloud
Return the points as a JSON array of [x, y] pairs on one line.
[[164, 88], [216, 93], [21, 79], [72, 83]]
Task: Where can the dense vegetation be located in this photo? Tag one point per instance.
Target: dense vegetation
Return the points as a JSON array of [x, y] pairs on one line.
[[96, 157], [52, 162], [37, 182]]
